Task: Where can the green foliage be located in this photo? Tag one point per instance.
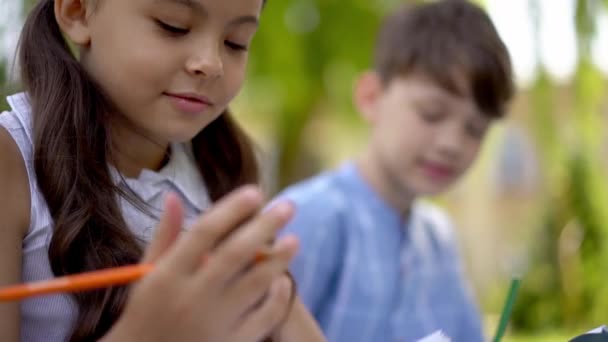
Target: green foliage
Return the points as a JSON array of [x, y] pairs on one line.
[[3, 86], [566, 284], [302, 48]]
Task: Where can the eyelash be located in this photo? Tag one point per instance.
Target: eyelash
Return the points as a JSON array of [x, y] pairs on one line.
[[234, 46], [431, 117], [476, 131], [177, 31]]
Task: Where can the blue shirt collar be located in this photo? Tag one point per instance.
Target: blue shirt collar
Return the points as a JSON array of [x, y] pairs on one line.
[[350, 174]]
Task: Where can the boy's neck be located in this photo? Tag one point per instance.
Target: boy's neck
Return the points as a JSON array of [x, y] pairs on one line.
[[384, 184]]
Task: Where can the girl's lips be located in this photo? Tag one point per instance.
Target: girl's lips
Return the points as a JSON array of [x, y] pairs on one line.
[[189, 103]]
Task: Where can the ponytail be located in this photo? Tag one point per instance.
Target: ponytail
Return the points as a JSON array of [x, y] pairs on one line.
[[71, 150]]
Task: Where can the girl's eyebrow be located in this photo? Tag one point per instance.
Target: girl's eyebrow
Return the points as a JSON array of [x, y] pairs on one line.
[[246, 19], [196, 6], [193, 5]]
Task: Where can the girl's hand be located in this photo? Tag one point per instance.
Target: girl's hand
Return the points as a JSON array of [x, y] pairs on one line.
[[226, 299], [300, 326]]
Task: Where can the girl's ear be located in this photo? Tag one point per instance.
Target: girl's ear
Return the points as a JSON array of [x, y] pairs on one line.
[[72, 17], [368, 91]]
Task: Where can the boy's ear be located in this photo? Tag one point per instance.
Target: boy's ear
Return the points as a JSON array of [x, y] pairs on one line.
[[72, 18], [368, 91]]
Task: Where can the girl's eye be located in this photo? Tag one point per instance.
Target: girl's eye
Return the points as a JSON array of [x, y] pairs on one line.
[[235, 46], [178, 31]]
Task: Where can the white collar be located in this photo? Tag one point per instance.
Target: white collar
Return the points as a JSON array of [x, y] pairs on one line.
[[181, 170]]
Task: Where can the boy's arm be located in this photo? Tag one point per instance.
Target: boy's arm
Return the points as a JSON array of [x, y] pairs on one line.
[[471, 327], [314, 267], [471, 319]]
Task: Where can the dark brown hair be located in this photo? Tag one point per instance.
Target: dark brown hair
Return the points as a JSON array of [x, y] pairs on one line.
[[72, 152], [444, 40]]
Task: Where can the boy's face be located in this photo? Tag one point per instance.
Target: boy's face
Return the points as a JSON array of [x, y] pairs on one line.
[[423, 137]]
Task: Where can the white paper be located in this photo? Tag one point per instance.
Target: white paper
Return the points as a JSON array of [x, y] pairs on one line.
[[437, 336], [599, 330]]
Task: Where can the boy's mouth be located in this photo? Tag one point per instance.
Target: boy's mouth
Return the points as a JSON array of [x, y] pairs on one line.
[[438, 171]]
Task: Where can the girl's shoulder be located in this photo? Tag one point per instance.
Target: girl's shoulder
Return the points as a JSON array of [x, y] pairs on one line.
[[19, 122], [15, 161], [14, 215], [14, 182]]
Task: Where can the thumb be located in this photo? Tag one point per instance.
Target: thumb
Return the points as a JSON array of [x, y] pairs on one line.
[[167, 230]]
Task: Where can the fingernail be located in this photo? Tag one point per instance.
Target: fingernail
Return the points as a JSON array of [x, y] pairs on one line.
[[290, 242], [284, 208], [169, 196], [251, 193]]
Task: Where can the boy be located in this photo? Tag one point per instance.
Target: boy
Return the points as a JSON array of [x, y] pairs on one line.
[[375, 263]]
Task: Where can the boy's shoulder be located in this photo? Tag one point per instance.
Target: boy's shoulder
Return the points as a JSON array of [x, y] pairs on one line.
[[323, 191], [322, 203]]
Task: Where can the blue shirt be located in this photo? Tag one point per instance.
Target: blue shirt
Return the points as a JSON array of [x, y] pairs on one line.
[[368, 275]]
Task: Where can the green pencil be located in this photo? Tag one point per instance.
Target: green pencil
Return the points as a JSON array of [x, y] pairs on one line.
[[506, 310]]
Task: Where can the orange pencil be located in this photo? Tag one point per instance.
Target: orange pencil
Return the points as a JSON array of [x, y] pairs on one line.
[[85, 281]]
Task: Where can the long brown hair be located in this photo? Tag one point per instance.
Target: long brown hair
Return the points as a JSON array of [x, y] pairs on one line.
[[72, 152]]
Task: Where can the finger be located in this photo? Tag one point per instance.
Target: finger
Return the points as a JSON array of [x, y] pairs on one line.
[[262, 321], [168, 229], [240, 248], [298, 325], [213, 226], [249, 288]]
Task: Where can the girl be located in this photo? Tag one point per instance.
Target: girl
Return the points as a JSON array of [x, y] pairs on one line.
[[95, 142]]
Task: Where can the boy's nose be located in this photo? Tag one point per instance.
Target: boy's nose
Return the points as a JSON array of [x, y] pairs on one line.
[[450, 142]]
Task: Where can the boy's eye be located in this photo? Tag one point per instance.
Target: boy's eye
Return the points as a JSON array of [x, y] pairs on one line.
[[431, 116], [476, 130], [178, 31], [235, 46]]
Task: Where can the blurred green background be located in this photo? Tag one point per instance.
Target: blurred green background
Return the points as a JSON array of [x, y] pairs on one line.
[[535, 204]]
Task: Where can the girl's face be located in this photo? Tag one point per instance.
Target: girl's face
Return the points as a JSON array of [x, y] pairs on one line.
[[170, 66]]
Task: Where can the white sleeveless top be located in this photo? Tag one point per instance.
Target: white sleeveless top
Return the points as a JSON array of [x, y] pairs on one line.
[[51, 318]]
